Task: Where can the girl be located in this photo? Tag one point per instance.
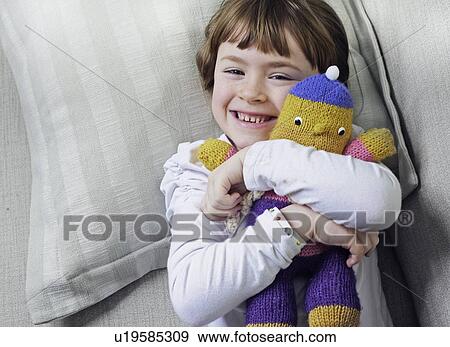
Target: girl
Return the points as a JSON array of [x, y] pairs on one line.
[[254, 52]]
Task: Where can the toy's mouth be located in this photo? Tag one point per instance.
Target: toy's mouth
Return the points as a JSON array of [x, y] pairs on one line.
[[252, 118]]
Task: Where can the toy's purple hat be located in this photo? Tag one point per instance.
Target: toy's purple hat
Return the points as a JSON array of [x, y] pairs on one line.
[[324, 88]]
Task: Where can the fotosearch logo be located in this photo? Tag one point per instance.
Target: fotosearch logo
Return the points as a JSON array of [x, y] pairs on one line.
[[186, 227], [99, 227]]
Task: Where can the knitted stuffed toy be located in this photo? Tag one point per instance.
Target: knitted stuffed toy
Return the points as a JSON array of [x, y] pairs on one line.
[[318, 113]]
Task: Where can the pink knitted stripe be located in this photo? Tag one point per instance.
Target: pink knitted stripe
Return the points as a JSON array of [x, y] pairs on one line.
[[310, 250], [273, 196], [231, 152], [357, 150]]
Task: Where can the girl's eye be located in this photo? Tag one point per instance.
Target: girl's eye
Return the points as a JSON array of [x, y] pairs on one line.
[[298, 121], [234, 72], [281, 77], [341, 131]]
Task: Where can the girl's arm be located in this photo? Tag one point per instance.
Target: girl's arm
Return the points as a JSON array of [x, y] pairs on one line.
[[333, 185], [209, 272]]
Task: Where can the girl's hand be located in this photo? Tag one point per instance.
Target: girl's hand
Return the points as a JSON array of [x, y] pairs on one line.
[[225, 188], [320, 229]]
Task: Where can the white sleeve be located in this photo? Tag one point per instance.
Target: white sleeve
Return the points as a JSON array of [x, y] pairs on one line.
[[333, 185], [209, 272]]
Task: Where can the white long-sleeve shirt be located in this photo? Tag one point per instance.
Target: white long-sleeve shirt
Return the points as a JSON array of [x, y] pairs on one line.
[[211, 273]]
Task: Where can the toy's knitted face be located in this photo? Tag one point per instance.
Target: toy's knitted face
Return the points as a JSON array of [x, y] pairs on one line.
[[314, 124], [318, 113]]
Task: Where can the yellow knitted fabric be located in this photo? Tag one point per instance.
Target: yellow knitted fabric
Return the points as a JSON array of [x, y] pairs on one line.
[[320, 124], [379, 142], [213, 152], [333, 316]]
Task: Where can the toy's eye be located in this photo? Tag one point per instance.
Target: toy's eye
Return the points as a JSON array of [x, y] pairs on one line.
[[298, 121], [341, 131]]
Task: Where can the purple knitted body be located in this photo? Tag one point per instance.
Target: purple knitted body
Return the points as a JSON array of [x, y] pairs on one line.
[[271, 199], [331, 282]]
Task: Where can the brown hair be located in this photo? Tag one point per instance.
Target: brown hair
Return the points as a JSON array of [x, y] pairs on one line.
[[264, 23]]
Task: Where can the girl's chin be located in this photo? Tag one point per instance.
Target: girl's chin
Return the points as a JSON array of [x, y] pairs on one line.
[[245, 134], [245, 140]]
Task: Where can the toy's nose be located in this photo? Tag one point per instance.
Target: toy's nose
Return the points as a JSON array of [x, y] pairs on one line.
[[319, 129]]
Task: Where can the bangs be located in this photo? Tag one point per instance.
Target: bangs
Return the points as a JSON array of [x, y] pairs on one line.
[[266, 30]]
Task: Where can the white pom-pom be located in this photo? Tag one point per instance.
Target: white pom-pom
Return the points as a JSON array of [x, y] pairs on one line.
[[332, 73]]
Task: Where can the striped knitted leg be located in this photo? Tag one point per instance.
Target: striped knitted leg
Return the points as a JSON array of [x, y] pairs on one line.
[[331, 298], [275, 306]]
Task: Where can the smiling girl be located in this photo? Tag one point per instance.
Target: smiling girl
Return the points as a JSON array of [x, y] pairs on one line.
[[254, 52]]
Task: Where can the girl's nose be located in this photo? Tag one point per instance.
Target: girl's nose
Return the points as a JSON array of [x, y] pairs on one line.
[[252, 92]]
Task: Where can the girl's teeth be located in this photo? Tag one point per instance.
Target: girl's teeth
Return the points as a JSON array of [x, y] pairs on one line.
[[251, 119]]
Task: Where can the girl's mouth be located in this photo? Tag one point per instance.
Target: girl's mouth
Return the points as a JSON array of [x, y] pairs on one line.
[[251, 120]]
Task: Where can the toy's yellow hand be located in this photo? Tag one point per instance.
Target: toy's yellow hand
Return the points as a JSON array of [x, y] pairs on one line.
[[372, 145], [379, 143], [214, 152]]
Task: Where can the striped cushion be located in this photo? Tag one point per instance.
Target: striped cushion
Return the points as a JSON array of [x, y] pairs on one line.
[[108, 89]]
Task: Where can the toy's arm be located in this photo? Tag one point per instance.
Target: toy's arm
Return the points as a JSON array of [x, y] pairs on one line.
[[372, 145], [214, 152]]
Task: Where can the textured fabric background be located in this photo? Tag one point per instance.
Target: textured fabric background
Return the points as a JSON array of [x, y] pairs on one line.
[[417, 52], [143, 303], [15, 191], [367, 44], [107, 90]]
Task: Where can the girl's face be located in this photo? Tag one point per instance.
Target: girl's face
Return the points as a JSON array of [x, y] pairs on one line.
[[250, 87]]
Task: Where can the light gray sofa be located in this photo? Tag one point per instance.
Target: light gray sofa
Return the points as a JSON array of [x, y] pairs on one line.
[[415, 46]]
